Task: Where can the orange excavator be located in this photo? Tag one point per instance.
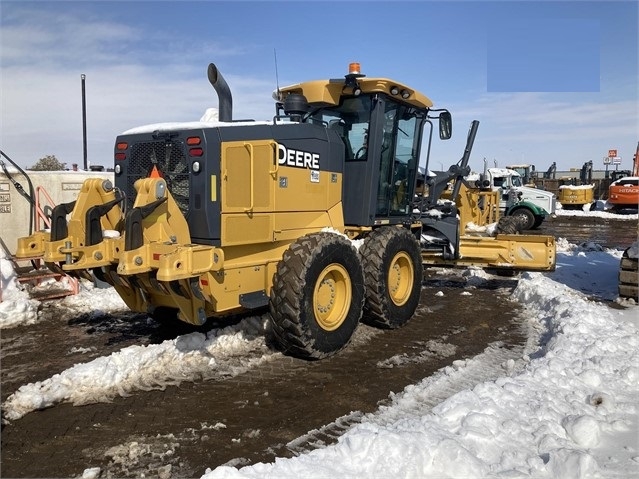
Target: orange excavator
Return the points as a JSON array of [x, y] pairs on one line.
[[623, 194]]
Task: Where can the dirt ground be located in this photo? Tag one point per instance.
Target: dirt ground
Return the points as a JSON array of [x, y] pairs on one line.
[[279, 409]]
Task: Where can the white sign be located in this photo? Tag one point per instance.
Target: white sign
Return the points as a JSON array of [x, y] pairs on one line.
[[607, 160], [616, 160]]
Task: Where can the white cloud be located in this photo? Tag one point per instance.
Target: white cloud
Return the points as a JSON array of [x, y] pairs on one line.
[[44, 54], [137, 74]]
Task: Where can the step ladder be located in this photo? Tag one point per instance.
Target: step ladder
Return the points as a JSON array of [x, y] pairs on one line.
[[35, 272]]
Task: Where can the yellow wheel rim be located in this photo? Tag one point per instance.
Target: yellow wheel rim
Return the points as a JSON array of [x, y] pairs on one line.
[[332, 297], [400, 278]]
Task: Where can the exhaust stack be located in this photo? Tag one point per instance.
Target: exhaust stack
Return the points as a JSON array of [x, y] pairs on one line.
[[225, 99]]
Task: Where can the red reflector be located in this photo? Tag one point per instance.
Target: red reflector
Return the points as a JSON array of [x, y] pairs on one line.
[[120, 156], [193, 140], [122, 146], [156, 256], [196, 152], [205, 282]]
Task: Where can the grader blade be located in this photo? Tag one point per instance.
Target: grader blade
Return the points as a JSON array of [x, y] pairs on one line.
[[507, 252]]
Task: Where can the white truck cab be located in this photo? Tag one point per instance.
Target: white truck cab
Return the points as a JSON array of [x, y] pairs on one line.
[[531, 205]]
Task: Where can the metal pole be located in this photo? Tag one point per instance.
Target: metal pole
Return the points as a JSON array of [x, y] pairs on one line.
[[84, 122]]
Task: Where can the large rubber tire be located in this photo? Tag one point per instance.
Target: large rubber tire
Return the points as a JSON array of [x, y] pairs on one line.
[[317, 296], [629, 278], [525, 216], [508, 225], [393, 273]]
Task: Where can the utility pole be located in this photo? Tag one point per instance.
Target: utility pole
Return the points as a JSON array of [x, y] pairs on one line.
[[84, 122]]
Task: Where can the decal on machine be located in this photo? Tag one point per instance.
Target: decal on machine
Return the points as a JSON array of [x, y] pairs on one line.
[[298, 158]]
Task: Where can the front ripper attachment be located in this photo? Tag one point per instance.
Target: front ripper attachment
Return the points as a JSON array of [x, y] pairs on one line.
[[65, 248], [158, 265]]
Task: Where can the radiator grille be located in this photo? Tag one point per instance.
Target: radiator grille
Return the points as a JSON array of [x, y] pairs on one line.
[[170, 160]]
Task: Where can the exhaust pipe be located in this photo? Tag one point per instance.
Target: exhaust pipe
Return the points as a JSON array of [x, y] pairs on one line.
[[225, 99]]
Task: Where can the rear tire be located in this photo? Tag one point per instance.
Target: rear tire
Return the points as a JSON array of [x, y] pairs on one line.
[[317, 296], [393, 273]]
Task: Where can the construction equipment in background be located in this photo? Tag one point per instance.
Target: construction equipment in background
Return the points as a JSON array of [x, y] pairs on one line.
[[573, 195], [629, 264], [585, 175], [550, 172], [623, 193], [209, 219], [527, 173], [530, 205]]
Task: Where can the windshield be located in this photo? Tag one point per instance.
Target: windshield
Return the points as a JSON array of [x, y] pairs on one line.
[[399, 159]]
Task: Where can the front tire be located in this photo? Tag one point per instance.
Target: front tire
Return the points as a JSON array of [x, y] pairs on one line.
[[393, 273], [317, 296], [526, 217]]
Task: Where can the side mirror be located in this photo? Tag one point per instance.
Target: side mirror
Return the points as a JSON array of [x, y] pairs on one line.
[[445, 125]]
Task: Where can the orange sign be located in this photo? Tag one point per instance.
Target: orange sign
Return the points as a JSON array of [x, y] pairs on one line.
[[612, 153]]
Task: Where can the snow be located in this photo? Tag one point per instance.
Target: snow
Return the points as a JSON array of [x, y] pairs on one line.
[[575, 187], [210, 119], [629, 180], [598, 212], [567, 408]]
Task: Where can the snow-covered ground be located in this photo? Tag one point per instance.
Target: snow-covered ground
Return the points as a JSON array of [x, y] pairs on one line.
[[568, 408], [600, 209]]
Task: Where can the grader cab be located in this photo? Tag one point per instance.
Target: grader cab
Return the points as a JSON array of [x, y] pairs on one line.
[[207, 219]]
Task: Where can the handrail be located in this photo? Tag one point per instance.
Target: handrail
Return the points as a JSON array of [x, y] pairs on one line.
[[276, 163], [249, 147], [29, 196], [40, 214]]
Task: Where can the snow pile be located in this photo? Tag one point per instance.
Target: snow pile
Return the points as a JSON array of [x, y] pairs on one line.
[[16, 308], [576, 187], [189, 357], [596, 212], [569, 412], [564, 408]]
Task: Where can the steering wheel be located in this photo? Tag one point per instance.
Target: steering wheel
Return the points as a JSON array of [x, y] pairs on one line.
[[361, 153]]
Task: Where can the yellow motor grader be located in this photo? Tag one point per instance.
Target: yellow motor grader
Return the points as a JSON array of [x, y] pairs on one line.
[[208, 219]]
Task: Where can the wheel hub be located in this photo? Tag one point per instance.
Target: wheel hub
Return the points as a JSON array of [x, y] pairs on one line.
[[332, 297], [400, 278]]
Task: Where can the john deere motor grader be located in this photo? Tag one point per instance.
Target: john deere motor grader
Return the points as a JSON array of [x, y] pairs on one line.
[[209, 219]]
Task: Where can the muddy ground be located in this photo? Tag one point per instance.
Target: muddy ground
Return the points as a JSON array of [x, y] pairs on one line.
[[281, 408]]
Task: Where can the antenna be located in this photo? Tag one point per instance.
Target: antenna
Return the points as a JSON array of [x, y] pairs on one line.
[[277, 80]]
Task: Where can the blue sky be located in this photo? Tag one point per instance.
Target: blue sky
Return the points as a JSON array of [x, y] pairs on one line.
[[548, 81]]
